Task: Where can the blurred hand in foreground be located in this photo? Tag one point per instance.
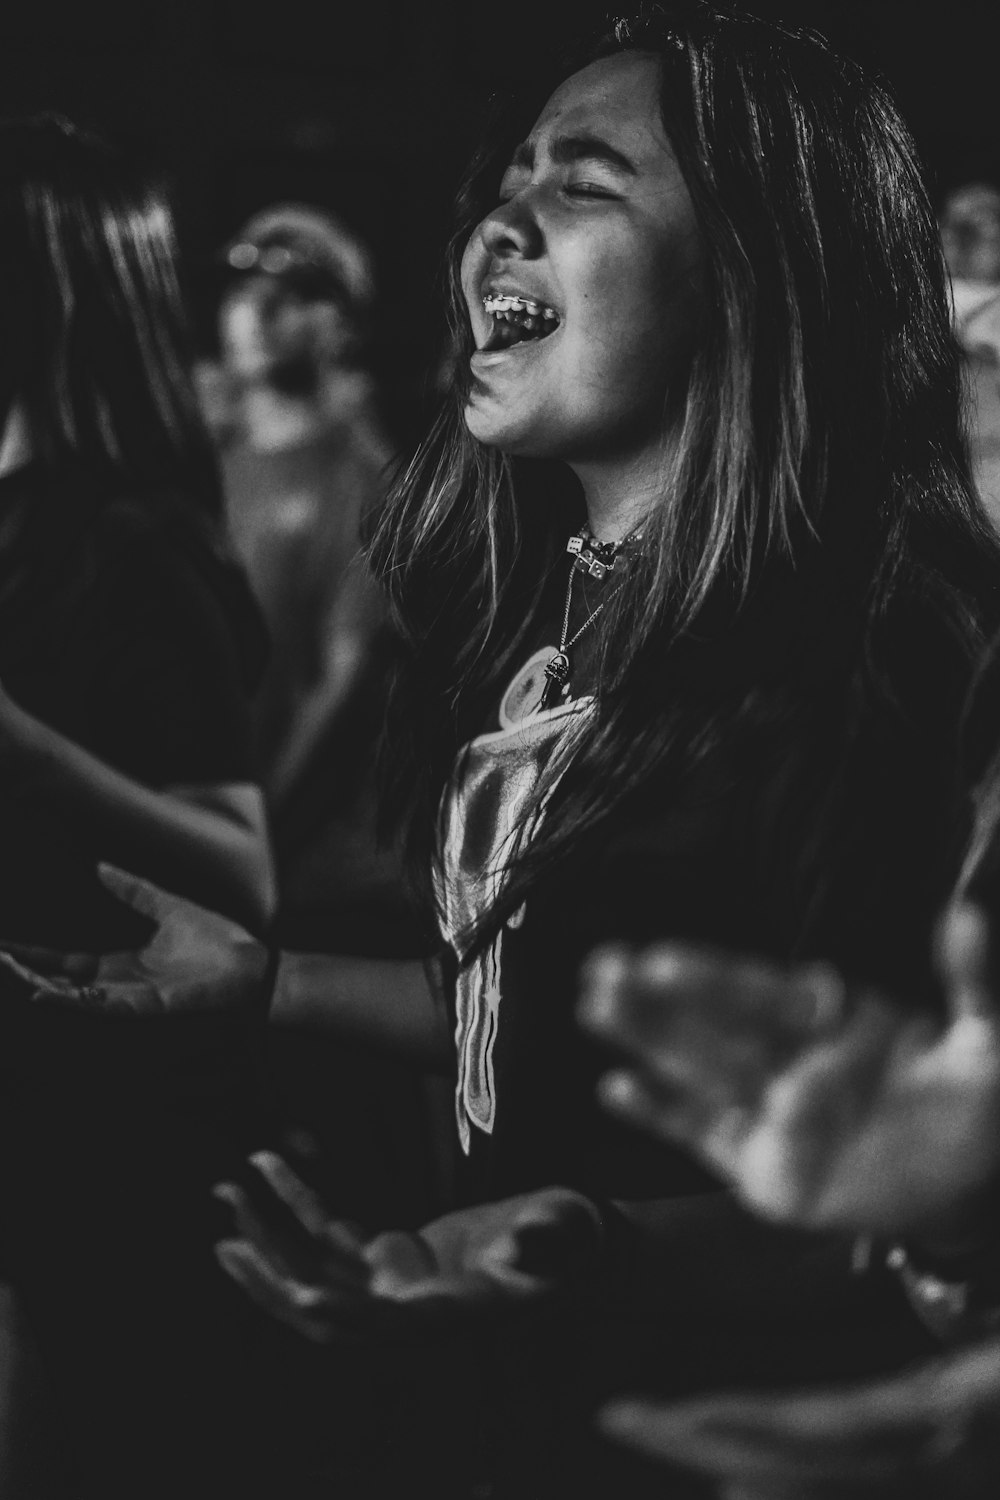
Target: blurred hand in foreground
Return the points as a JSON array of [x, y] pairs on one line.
[[819, 1105], [332, 1283], [195, 961]]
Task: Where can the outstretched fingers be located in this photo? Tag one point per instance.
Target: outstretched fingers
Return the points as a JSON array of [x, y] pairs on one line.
[[301, 1201], [300, 1305], [694, 1050], [338, 1266], [78, 968], [317, 1285], [56, 990], [688, 1013], [717, 1129], [143, 896]]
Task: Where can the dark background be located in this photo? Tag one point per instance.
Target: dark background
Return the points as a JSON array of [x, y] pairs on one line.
[[371, 107]]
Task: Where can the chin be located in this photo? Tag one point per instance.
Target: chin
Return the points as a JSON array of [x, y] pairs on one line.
[[515, 439], [487, 429]]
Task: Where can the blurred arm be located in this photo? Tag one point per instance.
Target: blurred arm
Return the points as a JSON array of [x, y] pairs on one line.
[[210, 842]]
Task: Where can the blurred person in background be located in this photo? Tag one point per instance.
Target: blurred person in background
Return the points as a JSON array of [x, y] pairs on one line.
[[970, 236], [295, 409], [129, 648], [304, 454], [130, 643]]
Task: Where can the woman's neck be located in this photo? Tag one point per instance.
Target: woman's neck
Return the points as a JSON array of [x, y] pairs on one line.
[[618, 495], [15, 442]]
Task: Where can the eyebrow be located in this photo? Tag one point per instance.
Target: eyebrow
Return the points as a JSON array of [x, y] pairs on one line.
[[566, 149]]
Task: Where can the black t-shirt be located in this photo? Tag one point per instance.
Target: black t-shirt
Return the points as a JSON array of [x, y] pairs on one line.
[[866, 783], [127, 643]]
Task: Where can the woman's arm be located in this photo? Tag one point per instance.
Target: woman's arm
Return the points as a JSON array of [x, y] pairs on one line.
[[210, 842], [197, 960]]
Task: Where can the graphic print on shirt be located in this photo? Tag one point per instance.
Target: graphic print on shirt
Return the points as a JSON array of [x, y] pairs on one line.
[[482, 830]]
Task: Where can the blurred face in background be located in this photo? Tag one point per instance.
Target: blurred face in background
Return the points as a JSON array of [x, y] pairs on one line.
[[970, 233], [271, 334]]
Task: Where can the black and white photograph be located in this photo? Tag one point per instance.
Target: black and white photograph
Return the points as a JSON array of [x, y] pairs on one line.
[[499, 750]]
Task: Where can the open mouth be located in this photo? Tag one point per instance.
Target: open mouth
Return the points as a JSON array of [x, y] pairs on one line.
[[517, 320]]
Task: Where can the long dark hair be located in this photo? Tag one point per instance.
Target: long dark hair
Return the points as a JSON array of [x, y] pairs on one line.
[[821, 469], [95, 339], [95, 347]]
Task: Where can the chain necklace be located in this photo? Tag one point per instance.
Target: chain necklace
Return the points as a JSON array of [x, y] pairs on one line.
[[598, 559]]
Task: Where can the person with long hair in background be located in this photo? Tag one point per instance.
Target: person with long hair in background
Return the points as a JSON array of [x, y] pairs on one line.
[[129, 640], [690, 579], [129, 647]]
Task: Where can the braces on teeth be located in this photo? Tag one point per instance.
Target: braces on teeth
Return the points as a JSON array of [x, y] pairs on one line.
[[497, 304]]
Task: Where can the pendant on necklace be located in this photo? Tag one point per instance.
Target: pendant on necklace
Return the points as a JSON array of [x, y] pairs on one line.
[[556, 678], [557, 668], [529, 689]]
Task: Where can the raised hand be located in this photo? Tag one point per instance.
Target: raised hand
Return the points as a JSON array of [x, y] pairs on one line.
[[334, 1284], [933, 1430], [819, 1106], [195, 961]]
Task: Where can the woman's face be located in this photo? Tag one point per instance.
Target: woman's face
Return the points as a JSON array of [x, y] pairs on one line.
[[595, 226]]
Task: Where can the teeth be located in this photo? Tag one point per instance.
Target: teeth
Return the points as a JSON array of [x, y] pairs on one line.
[[498, 305]]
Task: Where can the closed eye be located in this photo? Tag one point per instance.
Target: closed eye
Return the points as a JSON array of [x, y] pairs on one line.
[[588, 190]]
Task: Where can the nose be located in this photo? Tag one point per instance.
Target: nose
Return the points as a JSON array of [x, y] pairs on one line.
[[512, 229]]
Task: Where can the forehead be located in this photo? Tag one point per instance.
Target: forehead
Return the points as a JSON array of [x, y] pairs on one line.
[[617, 98]]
